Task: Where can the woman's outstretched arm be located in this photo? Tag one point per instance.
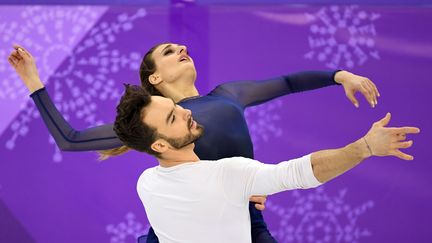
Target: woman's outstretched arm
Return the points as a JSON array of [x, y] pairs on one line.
[[250, 93], [67, 138]]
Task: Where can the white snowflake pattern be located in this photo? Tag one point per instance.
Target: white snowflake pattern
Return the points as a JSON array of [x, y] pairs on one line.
[[342, 36], [86, 77], [317, 217], [49, 32], [128, 231], [262, 122]]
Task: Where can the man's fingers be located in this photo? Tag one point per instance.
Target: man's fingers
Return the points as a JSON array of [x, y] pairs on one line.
[[258, 199], [406, 130], [401, 136], [385, 121], [405, 144], [352, 98], [401, 155], [260, 207]]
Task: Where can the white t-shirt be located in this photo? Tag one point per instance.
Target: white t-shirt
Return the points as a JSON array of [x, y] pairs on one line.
[[208, 201]]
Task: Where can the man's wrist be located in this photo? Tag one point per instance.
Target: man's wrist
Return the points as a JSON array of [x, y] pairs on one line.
[[360, 149]]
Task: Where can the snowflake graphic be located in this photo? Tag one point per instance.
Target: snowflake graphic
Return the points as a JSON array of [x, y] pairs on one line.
[[49, 32], [86, 77], [318, 217], [128, 231], [342, 36], [262, 122]]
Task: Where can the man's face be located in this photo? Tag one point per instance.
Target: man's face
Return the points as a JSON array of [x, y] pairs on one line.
[[172, 122], [173, 62]]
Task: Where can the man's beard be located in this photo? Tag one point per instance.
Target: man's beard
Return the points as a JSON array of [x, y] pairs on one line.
[[179, 143]]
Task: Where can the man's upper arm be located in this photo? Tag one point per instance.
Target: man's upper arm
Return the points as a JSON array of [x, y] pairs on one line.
[[237, 177], [289, 175], [243, 177]]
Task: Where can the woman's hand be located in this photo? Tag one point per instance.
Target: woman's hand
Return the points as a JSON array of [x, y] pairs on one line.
[[23, 63], [354, 83]]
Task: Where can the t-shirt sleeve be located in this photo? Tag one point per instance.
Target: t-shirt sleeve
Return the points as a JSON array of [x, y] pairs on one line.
[[243, 177], [67, 138], [250, 93]]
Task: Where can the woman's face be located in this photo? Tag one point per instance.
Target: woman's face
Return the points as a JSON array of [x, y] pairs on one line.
[[173, 63]]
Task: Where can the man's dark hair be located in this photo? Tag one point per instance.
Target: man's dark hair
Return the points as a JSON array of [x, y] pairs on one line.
[[129, 125]]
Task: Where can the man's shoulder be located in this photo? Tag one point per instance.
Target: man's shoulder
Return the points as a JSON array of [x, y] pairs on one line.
[[238, 161], [146, 174]]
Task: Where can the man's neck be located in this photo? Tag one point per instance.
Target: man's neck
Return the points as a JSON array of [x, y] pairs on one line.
[[177, 157]]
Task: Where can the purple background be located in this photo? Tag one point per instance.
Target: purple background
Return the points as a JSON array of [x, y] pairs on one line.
[[85, 54]]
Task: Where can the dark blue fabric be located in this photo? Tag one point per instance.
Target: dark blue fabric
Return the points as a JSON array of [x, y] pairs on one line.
[[221, 112], [142, 238]]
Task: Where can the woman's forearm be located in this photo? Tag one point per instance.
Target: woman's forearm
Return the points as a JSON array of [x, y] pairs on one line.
[[34, 85]]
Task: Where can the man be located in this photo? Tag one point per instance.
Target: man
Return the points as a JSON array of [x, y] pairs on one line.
[[189, 200]]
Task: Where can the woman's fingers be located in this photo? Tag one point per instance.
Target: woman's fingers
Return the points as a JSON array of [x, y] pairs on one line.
[[22, 52], [11, 61], [14, 59], [374, 87], [372, 91], [16, 55], [367, 94]]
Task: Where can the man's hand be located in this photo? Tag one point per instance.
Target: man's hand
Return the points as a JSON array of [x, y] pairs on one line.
[[259, 201], [354, 83], [23, 63], [379, 141], [385, 141]]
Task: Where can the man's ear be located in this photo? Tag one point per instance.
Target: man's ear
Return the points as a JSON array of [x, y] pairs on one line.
[[159, 146], [155, 79]]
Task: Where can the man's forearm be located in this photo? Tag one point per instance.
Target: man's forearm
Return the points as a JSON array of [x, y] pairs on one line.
[[328, 164]]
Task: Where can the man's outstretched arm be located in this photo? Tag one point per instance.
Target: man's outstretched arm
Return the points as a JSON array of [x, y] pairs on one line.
[[247, 177], [379, 141]]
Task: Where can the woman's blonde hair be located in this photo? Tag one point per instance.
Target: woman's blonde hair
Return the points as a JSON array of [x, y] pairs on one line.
[[105, 154]]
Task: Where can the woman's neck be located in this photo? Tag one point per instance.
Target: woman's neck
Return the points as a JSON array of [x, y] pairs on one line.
[[179, 92]]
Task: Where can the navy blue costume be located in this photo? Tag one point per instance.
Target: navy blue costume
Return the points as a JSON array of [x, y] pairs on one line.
[[221, 112]]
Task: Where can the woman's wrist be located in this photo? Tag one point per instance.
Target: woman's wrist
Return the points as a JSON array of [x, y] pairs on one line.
[[35, 85], [340, 76]]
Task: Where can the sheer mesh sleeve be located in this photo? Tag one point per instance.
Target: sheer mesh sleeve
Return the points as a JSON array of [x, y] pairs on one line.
[[67, 138], [249, 93]]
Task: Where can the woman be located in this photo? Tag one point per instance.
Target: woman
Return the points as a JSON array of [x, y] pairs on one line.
[[168, 70]]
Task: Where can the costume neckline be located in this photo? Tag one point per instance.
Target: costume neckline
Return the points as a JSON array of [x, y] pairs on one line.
[[189, 98]]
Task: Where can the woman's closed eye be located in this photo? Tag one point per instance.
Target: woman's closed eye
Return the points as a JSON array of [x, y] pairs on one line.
[[167, 52]]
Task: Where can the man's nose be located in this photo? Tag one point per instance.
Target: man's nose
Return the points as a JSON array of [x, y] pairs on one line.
[[187, 114]]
